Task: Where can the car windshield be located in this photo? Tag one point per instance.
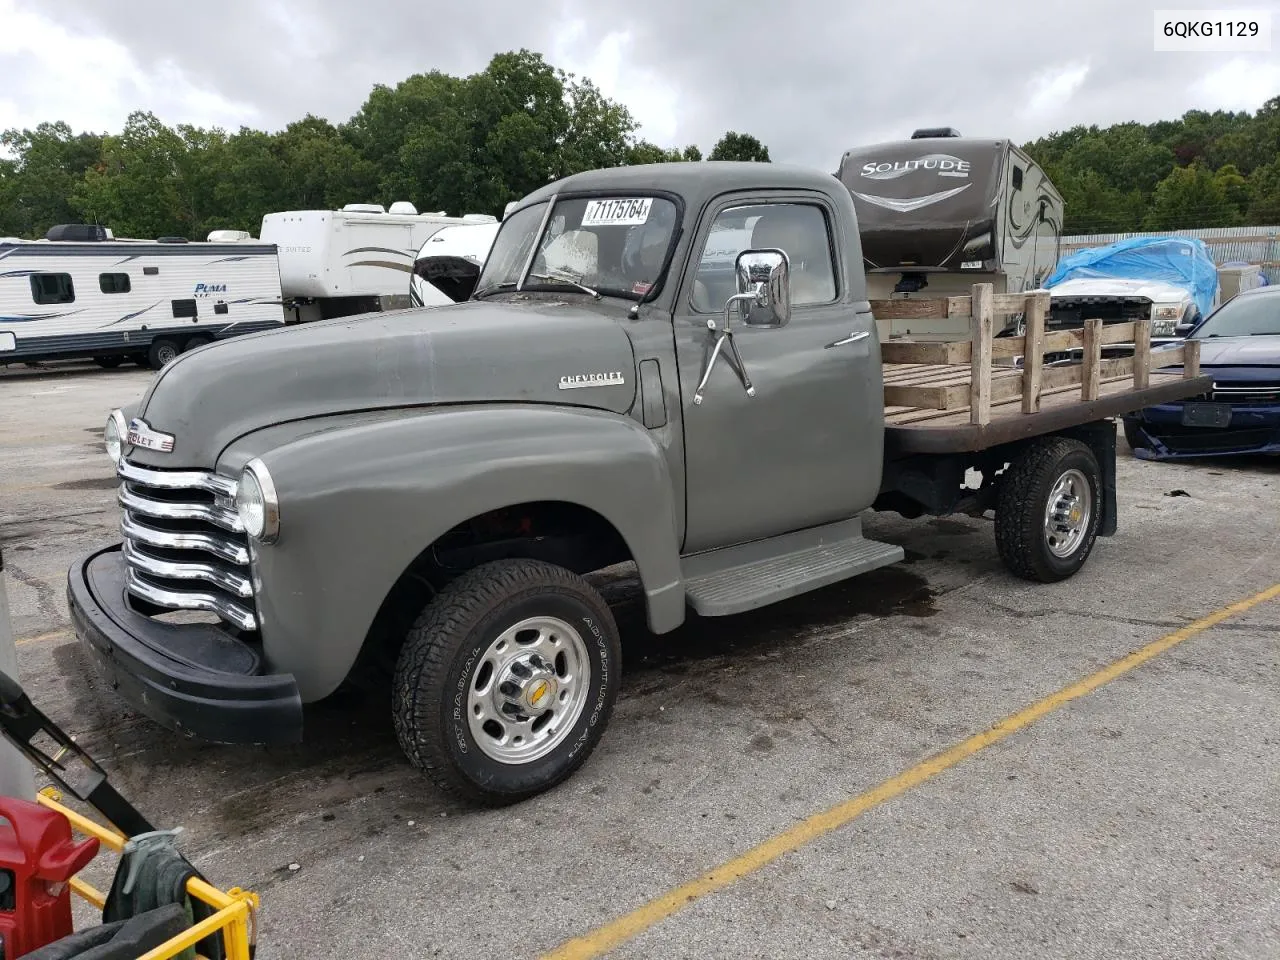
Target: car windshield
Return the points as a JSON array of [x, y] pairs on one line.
[[609, 245], [1243, 316]]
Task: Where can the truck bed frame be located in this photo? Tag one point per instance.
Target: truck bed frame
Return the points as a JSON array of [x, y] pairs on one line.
[[971, 395], [956, 407]]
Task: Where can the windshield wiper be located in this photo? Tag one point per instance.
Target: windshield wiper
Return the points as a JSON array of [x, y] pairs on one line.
[[491, 288], [569, 280]]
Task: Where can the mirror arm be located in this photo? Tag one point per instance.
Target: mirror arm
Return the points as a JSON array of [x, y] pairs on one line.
[[726, 334]]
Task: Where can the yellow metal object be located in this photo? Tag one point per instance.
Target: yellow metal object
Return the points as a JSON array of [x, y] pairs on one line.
[[236, 910]]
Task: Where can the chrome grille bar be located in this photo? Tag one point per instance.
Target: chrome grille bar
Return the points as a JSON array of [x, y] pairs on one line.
[[228, 580], [170, 510], [226, 549], [171, 599], [184, 545], [177, 479]]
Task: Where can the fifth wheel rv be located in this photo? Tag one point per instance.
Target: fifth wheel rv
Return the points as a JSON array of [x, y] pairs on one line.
[[335, 263], [82, 293], [940, 212]]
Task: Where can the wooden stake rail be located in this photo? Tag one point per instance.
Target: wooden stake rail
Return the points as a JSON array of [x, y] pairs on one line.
[[950, 376]]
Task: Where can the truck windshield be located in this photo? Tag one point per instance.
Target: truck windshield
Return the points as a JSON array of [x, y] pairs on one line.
[[1244, 316], [614, 245]]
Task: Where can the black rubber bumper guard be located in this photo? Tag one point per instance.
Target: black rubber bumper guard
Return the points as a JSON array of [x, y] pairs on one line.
[[196, 679]]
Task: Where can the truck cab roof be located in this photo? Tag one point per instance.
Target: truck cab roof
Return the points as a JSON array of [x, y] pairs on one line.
[[696, 181]]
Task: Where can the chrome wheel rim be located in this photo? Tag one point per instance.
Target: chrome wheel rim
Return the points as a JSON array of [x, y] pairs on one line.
[[1067, 514], [166, 355], [528, 690]]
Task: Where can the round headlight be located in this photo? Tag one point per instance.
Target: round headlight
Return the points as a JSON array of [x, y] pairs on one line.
[[256, 502], [114, 434]]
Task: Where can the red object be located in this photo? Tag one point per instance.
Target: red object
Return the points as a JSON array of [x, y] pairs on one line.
[[37, 858]]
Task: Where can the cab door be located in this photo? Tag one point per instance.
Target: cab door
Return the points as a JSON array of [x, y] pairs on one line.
[[806, 448]]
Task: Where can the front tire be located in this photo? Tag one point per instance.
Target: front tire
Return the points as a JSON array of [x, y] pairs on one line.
[[506, 681], [1048, 509]]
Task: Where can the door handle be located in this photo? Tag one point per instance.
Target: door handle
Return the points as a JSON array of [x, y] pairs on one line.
[[851, 338]]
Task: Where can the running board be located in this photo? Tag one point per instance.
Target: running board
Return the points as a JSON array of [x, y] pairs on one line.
[[750, 575]]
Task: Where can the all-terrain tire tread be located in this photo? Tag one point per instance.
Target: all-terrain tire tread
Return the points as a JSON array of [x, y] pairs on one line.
[[1020, 512], [427, 650]]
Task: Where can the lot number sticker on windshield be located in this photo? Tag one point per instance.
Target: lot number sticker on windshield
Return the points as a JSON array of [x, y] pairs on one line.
[[617, 213]]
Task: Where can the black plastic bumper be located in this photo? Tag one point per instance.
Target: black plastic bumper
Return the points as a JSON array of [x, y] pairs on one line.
[[195, 679]]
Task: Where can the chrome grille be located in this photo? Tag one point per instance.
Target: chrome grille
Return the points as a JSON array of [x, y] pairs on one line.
[[1245, 393], [184, 544]]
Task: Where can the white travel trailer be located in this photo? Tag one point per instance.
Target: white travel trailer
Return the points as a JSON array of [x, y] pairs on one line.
[[82, 293], [939, 212], [449, 264], [334, 263]]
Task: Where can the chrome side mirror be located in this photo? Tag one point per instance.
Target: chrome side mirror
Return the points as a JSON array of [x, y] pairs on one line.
[[764, 287]]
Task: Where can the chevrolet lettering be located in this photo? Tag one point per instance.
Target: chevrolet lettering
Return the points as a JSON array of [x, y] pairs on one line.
[[141, 435], [615, 379]]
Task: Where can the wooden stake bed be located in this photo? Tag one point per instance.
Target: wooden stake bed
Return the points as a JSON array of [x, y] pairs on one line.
[[966, 395]]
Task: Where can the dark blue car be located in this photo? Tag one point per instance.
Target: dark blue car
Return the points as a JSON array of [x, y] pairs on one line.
[[1240, 349]]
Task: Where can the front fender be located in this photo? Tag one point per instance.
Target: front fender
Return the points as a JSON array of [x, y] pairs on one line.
[[358, 503]]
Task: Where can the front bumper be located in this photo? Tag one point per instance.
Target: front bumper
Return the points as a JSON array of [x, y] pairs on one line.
[[1253, 429], [195, 679]]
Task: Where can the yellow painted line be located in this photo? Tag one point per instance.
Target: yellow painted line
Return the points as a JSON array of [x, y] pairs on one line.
[[619, 931], [40, 638]]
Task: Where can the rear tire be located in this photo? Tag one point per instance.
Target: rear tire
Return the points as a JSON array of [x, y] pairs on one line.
[[506, 681], [162, 353], [108, 363], [1048, 509]]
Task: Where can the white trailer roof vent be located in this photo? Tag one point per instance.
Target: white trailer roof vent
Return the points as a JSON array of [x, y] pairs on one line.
[[479, 218], [925, 133], [364, 208], [403, 208], [229, 236]]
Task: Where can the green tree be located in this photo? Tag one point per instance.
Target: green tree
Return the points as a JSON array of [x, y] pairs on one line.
[[1091, 205], [138, 189], [1236, 189], [37, 182], [1190, 197], [1264, 194], [646, 152], [472, 144], [739, 146]]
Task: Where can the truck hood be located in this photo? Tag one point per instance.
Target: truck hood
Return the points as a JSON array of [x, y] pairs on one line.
[[1261, 351], [473, 352], [1153, 290]]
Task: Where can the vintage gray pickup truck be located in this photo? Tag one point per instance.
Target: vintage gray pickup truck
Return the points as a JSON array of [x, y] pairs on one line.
[[672, 365]]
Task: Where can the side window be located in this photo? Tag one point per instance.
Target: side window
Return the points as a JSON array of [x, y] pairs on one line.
[[52, 288], [800, 229], [184, 308], [114, 282], [1017, 178]]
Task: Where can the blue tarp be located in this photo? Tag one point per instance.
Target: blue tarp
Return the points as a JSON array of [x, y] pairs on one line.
[[1183, 261]]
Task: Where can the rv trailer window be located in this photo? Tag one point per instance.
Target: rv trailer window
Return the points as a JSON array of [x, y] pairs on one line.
[[1017, 178], [184, 308], [798, 228], [114, 282], [52, 288]]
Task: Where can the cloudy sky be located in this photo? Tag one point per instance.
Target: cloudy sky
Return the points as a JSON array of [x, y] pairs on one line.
[[810, 82]]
